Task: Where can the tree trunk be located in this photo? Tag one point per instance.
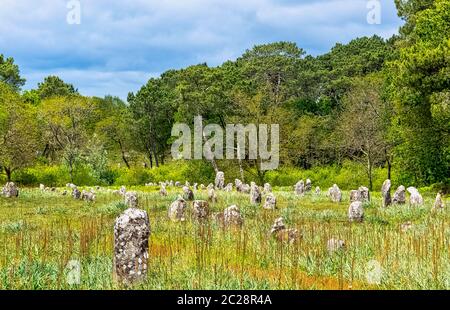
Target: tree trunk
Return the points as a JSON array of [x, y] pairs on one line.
[[8, 174], [369, 172], [124, 158]]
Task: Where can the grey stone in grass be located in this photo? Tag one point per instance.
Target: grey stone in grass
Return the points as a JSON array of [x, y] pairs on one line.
[[88, 196], [122, 190], [177, 184], [415, 199], [131, 234], [76, 194], [10, 190], [220, 180], [355, 195], [270, 202], [308, 185], [335, 193], [131, 200], [300, 188], [212, 197], [229, 187], [232, 216], [245, 188], [386, 193], [255, 194], [163, 190], [267, 188], [317, 191], [439, 202], [238, 184], [200, 210], [399, 196], [177, 210], [356, 211], [188, 195], [364, 194], [283, 234]]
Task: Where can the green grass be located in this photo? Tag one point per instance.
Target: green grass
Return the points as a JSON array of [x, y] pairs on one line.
[[40, 232]]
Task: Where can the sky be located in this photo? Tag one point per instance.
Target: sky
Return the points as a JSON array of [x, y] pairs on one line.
[[119, 45]]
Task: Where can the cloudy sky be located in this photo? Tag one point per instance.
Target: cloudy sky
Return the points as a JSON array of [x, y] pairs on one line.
[[119, 45]]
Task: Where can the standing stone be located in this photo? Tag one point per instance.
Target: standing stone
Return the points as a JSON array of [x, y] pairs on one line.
[[255, 194], [267, 188], [131, 233], [229, 187], [177, 210], [232, 216], [355, 195], [399, 195], [42, 187], [300, 188], [88, 196], [177, 184], [282, 233], [187, 184], [271, 202], [335, 245], [245, 188], [364, 194], [220, 180], [188, 195], [202, 187], [122, 190], [131, 200], [356, 211], [195, 186], [308, 185], [439, 203], [415, 198], [200, 210], [163, 190], [76, 194], [212, 197], [386, 193], [317, 191], [238, 184], [335, 193], [10, 190], [210, 186]]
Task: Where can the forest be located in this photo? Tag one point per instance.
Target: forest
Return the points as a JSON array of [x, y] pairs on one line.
[[366, 111]]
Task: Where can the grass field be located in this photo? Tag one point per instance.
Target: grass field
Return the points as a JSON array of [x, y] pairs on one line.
[[40, 232]]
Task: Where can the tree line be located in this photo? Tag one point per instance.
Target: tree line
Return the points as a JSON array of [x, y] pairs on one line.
[[374, 101]]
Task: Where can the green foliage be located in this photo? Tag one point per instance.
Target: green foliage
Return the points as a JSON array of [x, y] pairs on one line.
[[10, 73], [53, 86]]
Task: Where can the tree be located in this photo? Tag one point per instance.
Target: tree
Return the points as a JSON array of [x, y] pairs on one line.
[[53, 86], [363, 123], [67, 121], [10, 73], [18, 132], [421, 91]]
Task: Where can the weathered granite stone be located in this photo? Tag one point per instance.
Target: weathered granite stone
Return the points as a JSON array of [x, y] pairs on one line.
[[245, 188], [42, 187], [300, 188], [439, 203], [76, 194], [355, 195], [364, 194], [122, 190], [356, 212], [267, 188], [88, 196], [163, 190], [415, 198], [255, 194], [177, 210], [282, 233], [271, 202], [10, 190], [232, 216], [229, 187], [317, 191], [212, 197], [308, 185], [335, 193], [386, 193], [131, 200], [188, 195], [131, 234], [399, 195], [220, 180], [238, 184], [200, 210]]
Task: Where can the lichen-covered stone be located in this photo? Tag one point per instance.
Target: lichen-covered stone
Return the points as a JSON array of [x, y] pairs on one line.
[[238, 184], [364, 194], [188, 194], [232, 216], [177, 210], [283, 234], [300, 188], [131, 200], [356, 211], [131, 234], [163, 190], [220, 180], [212, 197], [399, 196], [270, 202], [355, 195], [267, 188], [229, 187], [335, 193], [76, 194], [88, 196], [200, 210], [386, 193], [10, 190], [317, 191], [255, 194], [439, 202], [415, 198], [308, 185]]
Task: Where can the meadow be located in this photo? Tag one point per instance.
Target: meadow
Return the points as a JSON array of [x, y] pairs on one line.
[[41, 231]]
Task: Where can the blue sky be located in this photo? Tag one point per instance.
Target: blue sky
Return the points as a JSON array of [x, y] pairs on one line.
[[119, 45]]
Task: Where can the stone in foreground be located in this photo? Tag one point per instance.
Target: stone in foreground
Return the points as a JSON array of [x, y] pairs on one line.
[[399, 196], [232, 216], [10, 190], [271, 202], [131, 234], [177, 210], [356, 212]]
